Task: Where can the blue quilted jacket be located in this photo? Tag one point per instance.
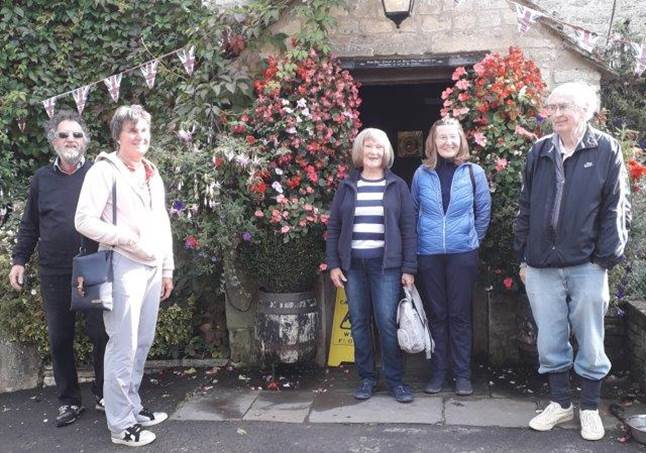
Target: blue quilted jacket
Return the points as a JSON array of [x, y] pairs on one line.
[[458, 230]]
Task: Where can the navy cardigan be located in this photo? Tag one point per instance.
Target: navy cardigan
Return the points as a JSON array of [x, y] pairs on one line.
[[400, 236]]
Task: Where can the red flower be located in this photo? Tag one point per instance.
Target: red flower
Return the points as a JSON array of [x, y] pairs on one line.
[[191, 242], [258, 187], [217, 162], [508, 282], [251, 139]]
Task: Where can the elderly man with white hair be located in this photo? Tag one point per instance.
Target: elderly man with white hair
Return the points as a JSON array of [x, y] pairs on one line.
[[570, 229]]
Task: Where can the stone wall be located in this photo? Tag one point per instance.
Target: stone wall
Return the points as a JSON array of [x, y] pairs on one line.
[[439, 27], [595, 14], [636, 330]]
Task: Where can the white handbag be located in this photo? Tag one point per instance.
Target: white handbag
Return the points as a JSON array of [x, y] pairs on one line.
[[413, 333]]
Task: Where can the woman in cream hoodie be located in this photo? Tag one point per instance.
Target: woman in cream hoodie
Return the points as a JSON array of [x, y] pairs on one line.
[[142, 261]]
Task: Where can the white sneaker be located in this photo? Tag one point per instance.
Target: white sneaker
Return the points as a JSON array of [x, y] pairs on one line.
[[149, 418], [134, 436], [591, 425], [551, 416]]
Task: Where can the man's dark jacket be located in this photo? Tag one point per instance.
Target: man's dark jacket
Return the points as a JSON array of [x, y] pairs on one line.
[[592, 222], [400, 236], [48, 220]]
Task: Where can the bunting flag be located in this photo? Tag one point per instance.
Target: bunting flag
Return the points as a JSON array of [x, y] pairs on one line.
[[187, 58], [640, 57], [585, 39], [49, 105], [22, 124], [149, 71], [80, 96], [113, 83], [526, 17]]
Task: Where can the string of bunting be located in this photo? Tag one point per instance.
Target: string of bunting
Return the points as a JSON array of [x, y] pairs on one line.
[[586, 39], [113, 83]]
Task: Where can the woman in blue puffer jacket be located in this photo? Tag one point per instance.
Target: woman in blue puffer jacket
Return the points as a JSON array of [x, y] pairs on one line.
[[453, 204]]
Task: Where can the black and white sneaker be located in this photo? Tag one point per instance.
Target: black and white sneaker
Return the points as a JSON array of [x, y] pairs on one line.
[[68, 414], [134, 436], [149, 418], [100, 404]]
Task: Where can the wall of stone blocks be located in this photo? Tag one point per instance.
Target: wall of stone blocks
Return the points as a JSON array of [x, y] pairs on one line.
[[636, 340], [440, 27]]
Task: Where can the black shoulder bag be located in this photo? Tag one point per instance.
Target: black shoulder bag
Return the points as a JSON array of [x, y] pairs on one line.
[[92, 274]]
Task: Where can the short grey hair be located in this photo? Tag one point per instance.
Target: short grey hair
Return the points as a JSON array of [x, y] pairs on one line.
[[378, 136], [124, 114], [64, 115], [582, 95]]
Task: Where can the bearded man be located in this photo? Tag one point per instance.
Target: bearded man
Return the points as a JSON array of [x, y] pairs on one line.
[[48, 221]]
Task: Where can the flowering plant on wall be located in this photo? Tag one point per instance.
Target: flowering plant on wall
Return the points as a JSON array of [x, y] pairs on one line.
[[498, 102], [303, 121]]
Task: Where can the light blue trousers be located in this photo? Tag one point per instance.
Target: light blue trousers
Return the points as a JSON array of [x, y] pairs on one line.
[[548, 289], [131, 328]]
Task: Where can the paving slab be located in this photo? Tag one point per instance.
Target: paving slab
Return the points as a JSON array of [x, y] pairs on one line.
[[217, 406], [289, 407], [336, 407], [489, 412]]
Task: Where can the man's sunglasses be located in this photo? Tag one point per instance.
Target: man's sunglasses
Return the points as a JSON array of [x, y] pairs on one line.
[[65, 135]]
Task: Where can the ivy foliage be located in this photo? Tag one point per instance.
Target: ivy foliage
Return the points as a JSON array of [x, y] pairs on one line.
[[624, 96], [56, 46]]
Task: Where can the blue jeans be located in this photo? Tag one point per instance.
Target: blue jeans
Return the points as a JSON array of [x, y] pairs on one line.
[[587, 287], [370, 289]]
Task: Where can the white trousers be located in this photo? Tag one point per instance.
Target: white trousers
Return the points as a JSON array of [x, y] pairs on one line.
[[131, 328]]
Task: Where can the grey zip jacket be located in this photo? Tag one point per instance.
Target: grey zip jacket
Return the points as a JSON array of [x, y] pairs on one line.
[[576, 211]]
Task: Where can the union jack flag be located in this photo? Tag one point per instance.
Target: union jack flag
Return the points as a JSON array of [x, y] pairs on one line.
[[640, 57], [187, 57], [149, 71], [526, 17], [49, 105], [80, 96], [586, 39], [113, 83]]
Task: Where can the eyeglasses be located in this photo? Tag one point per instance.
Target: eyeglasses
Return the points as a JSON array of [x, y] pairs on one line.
[[65, 135], [563, 107]]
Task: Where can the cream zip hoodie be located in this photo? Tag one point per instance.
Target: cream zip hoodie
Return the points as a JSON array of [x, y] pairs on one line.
[[142, 232]]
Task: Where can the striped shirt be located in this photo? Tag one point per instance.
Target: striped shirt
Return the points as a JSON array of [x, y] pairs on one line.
[[368, 228]]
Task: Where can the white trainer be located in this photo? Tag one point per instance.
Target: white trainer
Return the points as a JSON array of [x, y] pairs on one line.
[[551, 416], [134, 436], [591, 425], [149, 418]]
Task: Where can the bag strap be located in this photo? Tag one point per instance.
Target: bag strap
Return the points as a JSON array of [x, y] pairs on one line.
[[83, 247], [473, 186]]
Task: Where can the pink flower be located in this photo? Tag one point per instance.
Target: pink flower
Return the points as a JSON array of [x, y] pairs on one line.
[[480, 138], [459, 112], [325, 218], [520, 130], [281, 199], [462, 84], [446, 93], [285, 229], [501, 164], [508, 282], [322, 267], [459, 72], [259, 213]]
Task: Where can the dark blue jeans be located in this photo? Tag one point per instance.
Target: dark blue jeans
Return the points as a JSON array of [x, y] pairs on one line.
[[369, 290], [446, 285]]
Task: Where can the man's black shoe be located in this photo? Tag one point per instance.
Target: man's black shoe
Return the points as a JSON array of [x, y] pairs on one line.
[[68, 414]]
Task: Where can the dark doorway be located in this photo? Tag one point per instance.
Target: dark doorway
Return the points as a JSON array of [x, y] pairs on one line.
[[402, 108]]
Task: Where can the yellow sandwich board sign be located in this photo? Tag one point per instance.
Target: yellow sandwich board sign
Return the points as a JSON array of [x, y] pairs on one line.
[[341, 344]]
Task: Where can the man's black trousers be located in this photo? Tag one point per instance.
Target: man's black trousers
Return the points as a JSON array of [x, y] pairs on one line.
[[56, 290]]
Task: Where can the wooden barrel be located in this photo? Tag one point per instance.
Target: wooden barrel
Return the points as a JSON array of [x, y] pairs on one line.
[[287, 327]]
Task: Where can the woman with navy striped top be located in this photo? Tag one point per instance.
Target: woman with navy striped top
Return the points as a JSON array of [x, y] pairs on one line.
[[371, 252]]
